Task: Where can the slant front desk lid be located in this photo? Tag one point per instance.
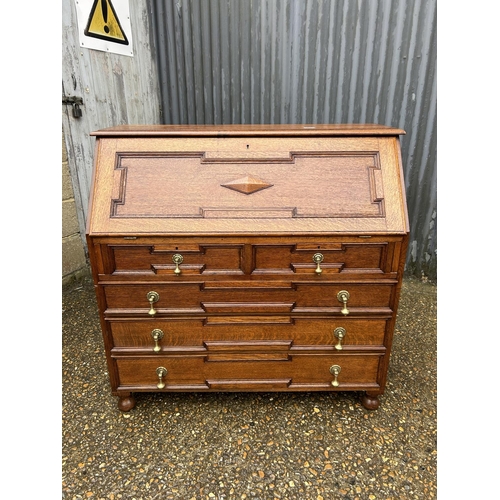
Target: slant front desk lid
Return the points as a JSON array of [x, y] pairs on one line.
[[253, 179]]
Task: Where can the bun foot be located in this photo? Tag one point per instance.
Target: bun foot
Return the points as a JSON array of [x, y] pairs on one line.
[[126, 403], [370, 402]]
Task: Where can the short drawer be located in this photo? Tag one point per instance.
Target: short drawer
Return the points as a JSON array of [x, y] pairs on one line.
[[252, 333], [297, 372], [218, 297], [321, 258], [172, 260]]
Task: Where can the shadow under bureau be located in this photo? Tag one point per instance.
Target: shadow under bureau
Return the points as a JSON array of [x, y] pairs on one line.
[[247, 258]]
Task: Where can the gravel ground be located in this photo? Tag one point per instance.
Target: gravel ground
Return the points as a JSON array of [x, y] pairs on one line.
[[250, 445]]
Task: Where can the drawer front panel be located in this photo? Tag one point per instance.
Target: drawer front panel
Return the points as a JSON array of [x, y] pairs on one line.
[[159, 259], [211, 259], [336, 258], [245, 332], [297, 372], [228, 297], [184, 297]]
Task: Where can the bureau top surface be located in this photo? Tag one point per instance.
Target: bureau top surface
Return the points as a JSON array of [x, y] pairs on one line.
[[282, 130], [255, 179]]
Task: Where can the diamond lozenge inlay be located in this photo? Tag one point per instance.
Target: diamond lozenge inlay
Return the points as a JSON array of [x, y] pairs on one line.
[[247, 185]]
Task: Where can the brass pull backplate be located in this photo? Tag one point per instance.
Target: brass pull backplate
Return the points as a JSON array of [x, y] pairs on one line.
[[335, 370], [161, 372], [340, 334], [343, 296], [157, 335], [318, 258], [152, 298], [177, 259]]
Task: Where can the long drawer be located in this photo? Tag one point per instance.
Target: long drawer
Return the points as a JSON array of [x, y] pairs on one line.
[[257, 297], [204, 372], [245, 332]]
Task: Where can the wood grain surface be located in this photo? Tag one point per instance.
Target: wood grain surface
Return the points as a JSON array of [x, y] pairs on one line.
[[249, 248]]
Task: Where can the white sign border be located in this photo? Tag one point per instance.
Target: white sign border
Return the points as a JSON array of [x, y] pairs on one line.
[[122, 9]]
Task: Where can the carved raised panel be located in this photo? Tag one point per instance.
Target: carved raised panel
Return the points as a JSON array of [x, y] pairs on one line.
[[118, 189], [245, 350], [304, 185]]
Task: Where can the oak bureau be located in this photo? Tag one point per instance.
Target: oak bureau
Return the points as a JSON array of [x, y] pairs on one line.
[[247, 258]]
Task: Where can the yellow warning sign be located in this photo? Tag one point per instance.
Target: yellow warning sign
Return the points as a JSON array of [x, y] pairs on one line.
[[103, 23]]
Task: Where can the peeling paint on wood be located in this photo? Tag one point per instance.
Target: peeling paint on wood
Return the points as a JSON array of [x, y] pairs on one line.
[[115, 89]]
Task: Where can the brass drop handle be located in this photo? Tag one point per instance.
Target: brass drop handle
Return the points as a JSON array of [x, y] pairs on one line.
[[152, 298], [335, 370], [340, 334], [157, 335], [343, 296], [161, 372], [318, 258], [177, 259]]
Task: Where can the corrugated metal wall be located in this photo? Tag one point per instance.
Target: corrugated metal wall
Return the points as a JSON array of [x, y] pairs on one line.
[[311, 61]]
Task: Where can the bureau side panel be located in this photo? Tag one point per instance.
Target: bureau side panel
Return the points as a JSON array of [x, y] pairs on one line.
[[399, 261]]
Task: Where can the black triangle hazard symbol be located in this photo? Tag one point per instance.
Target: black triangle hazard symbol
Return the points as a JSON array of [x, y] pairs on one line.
[[103, 23]]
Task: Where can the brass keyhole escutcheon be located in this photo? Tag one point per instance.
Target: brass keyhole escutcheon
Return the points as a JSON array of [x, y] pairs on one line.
[[340, 334], [343, 296], [157, 335], [152, 298], [335, 370], [177, 259], [318, 258], [161, 372]]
